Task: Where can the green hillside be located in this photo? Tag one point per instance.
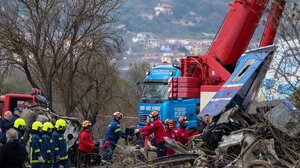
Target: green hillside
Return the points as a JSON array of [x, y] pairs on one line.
[[201, 16]]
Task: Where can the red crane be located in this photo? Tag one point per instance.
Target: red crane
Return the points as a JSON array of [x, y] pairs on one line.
[[207, 73]]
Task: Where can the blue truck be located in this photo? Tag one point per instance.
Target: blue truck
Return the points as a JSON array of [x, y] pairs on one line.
[[155, 97]]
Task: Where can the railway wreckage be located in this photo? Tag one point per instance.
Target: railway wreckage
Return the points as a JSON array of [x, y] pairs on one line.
[[266, 139], [240, 135], [244, 133]]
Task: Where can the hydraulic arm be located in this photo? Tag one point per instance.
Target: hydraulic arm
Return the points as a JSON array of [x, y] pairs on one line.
[[215, 68]]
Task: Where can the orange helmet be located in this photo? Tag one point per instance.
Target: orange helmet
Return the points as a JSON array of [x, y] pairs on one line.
[[117, 115], [86, 123], [153, 114], [168, 124], [183, 121], [168, 121]]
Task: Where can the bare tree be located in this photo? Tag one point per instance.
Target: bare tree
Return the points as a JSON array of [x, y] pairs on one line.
[[283, 77], [57, 43], [123, 97], [290, 34], [282, 83], [132, 86]]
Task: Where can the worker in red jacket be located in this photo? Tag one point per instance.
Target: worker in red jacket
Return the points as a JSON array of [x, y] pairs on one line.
[[170, 133], [86, 146], [159, 131], [182, 135]]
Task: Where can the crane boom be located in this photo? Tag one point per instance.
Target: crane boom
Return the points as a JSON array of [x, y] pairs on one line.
[[214, 69], [186, 91], [272, 23], [237, 30]]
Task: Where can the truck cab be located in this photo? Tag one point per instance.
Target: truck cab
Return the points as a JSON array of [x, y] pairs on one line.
[[9, 101], [155, 96]]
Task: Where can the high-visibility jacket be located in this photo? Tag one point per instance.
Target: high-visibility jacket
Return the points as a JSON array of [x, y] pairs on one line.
[[114, 132], [35, 148], [47, 148], [157, 128], [59, 145], [86, 142], [21, 138]]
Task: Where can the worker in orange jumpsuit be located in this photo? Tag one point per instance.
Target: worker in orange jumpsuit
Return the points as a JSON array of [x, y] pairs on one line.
[[182, 135], [170, 133], [157, 128], [86, 145]]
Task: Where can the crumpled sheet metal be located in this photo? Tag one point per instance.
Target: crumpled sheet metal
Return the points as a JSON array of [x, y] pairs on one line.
[[237, 138], [286, 118], [179, 149], [249, 142]]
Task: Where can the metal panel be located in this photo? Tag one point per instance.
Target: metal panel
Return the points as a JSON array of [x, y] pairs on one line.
[[235, 89]]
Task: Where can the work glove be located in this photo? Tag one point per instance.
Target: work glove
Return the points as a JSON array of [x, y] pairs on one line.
[[106, 144], [41, 159]]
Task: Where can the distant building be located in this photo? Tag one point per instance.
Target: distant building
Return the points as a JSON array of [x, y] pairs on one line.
[[153, 58], [173, 56], [200, 47], [163, 8], [153, 43], [187, 41], [143, 37]]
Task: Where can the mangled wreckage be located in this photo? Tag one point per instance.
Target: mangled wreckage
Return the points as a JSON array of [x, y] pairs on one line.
[[239, 136]]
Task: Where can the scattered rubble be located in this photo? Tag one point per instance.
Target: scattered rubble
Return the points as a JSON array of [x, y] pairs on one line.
[[265, 139], [286, 118]]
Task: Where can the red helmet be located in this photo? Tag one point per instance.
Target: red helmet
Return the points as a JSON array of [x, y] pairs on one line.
[[153, 114], [183, 121], [118, 115], [86, 123]]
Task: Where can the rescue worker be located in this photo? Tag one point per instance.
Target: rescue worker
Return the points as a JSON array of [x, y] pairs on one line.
[[86, 146], [17, 113], [170, 133], [182, 135], [6, 123], [19, 126], [60, 145], [113, 133], [36, 158], [157, 128], [204, 124], [47, 148]]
